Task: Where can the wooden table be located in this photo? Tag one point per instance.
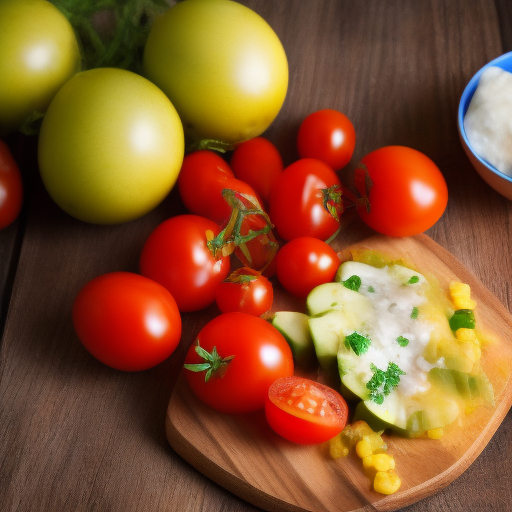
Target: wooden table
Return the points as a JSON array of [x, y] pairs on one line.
[[77, 435]]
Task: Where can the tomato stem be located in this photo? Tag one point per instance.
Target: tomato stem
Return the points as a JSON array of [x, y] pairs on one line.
[[214, 364], [231, 237], [332, 201]]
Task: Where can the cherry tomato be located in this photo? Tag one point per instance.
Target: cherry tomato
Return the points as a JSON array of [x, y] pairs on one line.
[[177, 256], [199, 170], [11, 188], [306, 200], [245, 290], [239, 357], [127, 321], [257, 162], [404, 192], [329, 136], [304, 411], [203, 177], [305, 263]]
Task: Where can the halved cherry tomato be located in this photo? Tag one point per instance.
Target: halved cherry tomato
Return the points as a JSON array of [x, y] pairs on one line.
[[11, 188], [234, 360], [304, 411], [177, 255], [404, 192], [257, 162], [329, 136], [306, 200], [304, 263], [127, 321], [245, 290]]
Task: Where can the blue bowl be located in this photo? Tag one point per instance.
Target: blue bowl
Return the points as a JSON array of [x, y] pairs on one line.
[[496, 179]]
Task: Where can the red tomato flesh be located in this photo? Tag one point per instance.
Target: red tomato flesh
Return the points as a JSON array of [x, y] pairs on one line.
[[304, 411]]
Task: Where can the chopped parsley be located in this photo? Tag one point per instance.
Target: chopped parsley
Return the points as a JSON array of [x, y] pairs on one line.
[[352, 283], [383, 382], [413, 280], [371, 289], [359, 343], [402, 341], [414, 313]]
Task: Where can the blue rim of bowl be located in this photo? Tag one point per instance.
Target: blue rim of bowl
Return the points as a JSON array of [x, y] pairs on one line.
[[465, 100]]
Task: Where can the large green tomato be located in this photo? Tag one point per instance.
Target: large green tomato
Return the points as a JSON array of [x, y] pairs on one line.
[[110, 146], [38, 53], [221, 65]]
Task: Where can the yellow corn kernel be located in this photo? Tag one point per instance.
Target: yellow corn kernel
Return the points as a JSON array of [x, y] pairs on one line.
[[379, 462], [386, 482], [337, 448], [364, 447], [460, 294], [466, 334], [435, 433]]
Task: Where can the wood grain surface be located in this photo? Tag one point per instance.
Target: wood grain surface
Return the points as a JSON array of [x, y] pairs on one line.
[[78, 436]]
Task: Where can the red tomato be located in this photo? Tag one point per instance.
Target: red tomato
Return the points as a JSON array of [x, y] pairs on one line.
[[11, 189], [329, 136], [176, 255], [244, 356], [304, 411], [257, 162], [199, 170], [306, 200], [245, 290], [305, 263], [203, 177], [404, 191], [127, 321]]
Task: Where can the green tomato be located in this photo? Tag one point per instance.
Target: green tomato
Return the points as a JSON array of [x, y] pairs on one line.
[[221, 65], [110, 146], [38, 53]]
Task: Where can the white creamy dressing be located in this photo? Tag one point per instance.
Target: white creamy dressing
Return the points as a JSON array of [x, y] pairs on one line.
[[393, 301], [488, 121]]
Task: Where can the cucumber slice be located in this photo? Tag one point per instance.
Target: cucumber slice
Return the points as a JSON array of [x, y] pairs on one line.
[[335, 296], [295, 328]]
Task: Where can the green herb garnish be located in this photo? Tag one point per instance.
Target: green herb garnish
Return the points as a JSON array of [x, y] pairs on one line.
[[402, 341], [383, 382], [359, 343], [413, 280], [352, 283], [414, 313], [371, 289]]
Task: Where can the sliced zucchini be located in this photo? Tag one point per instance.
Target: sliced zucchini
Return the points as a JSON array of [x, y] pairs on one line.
[[295, 328]]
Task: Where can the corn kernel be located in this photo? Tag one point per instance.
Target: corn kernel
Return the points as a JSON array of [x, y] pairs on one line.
[[465, 334], [379, 462], [460, 294], [386, 482], [435, 433], [364, 447]]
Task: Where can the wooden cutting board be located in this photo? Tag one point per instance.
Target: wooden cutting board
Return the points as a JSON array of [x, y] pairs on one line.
[[242, 454]]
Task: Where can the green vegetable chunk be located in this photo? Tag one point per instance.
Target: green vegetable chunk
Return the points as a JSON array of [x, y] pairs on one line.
[[462, 319], [359, 343], [352, 283], [414, 313]]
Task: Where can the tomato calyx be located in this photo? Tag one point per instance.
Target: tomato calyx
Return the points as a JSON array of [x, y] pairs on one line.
[[238, 233], [211, 144], [242, 276], [332, 201], [363, 182], [214, 365]]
